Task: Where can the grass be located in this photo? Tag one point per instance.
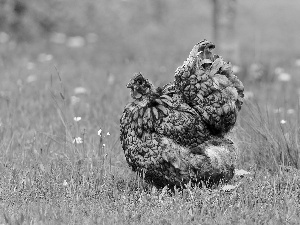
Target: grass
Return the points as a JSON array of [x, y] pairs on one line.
[[45, 178]]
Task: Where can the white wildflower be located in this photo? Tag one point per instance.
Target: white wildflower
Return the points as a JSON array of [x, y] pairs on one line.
[[65, 183], [282, 121], [238, 172], [103, 145], [43, 57], [290, 111], [80, 90], [279, 110], [76, 42], [31, 78], [100, 132], [111, 79], [77, 140], [107, 134], [77, 118], [284, 77], [229, 187]]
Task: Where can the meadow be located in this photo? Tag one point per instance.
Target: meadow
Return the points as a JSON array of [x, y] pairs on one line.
[[62, 94]]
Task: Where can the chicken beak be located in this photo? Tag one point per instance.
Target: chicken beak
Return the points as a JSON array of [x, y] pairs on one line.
[[129, 85]]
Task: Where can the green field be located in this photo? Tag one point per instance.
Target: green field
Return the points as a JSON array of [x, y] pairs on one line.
[[46, 178]]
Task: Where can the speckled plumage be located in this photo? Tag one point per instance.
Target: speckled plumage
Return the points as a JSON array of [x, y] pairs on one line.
[[167, 142], [207, 83], [162, 110]]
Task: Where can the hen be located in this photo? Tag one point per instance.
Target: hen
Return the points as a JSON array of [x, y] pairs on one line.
[[207, 83], [166, 141]]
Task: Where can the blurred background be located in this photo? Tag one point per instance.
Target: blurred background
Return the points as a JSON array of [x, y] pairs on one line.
[[121, 31], [84, 53]]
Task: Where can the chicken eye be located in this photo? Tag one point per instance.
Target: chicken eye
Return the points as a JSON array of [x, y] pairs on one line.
[[139, 82]]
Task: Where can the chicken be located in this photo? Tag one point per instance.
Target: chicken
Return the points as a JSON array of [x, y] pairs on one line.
[[207, 84], [166, 141]]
